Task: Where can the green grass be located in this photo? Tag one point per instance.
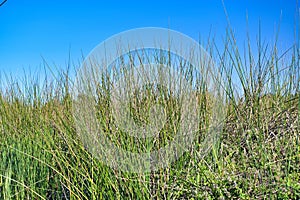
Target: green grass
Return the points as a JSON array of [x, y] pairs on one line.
[[257, 155]]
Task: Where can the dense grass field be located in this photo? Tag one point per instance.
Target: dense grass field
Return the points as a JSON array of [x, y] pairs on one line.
[[256, 156]]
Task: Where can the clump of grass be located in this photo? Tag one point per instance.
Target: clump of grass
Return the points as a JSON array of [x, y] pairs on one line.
[[256, 155]]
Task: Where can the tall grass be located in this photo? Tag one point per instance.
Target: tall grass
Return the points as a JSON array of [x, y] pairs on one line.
[[256, 156]]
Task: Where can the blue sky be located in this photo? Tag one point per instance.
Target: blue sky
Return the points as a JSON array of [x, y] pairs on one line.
[[31, 30]]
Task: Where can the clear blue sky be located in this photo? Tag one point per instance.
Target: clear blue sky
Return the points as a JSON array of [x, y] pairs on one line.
[[32, 29]]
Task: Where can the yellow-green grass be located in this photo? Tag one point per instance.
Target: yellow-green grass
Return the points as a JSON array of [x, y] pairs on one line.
[[256, 156]]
